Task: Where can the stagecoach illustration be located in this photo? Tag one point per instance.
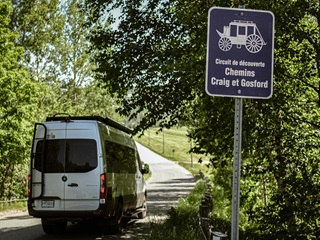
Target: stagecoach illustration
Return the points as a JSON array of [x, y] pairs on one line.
[[241, 33]]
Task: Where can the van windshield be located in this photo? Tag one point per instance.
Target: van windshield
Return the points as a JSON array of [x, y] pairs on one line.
[[67, 155]]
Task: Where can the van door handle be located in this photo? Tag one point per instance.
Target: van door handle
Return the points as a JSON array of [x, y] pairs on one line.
[[73, 185]]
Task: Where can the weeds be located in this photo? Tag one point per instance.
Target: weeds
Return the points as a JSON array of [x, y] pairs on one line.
[[8, 206]]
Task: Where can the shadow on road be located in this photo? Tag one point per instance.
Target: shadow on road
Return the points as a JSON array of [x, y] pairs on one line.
[[165, 194], [88, 230]]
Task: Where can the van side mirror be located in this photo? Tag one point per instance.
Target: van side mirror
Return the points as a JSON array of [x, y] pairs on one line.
[[145, 168]]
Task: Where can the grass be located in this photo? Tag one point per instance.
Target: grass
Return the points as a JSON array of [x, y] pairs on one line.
[[12, 206], [174, 145]]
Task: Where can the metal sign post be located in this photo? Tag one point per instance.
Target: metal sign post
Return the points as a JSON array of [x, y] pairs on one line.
[[236, 169], [239, 64]]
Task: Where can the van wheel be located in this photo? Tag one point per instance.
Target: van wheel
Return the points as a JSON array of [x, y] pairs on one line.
[[51, 227], [143, 213], [118, 220]]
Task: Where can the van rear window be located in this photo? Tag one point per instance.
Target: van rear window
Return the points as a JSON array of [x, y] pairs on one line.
[[66, 155]]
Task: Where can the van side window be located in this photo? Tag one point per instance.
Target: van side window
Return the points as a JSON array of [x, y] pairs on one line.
[[120, 158], [71, 155], [139, 161]]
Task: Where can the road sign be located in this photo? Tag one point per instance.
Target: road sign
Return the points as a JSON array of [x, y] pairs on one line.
[[240, 53]]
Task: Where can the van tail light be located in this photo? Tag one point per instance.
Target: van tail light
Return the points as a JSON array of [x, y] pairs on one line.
[[29, 186], [103, 186]]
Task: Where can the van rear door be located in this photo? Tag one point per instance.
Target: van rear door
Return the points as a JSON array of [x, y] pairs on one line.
[[71, 176], [82, 176], [47, 169]]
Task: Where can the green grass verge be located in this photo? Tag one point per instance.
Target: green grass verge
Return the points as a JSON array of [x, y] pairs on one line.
[[182, 222], [13, 206], [174, 145]]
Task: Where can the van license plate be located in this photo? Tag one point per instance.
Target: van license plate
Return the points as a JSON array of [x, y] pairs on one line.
[[47, 203]]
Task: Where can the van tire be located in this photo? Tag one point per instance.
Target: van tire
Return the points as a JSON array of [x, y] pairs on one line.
[[51, 227], [143, 213], [118, 221]]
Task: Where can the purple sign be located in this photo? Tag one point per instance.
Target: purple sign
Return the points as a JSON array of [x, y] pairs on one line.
[[240, 53]]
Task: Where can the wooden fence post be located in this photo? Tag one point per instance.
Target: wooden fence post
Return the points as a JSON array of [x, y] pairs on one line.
[[204, 218], [205, 210]]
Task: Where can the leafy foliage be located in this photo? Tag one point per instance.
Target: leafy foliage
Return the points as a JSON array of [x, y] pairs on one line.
[[17, 102], [157, 54]]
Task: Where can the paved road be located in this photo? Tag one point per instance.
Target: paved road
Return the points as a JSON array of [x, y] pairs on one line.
[[168, 183]]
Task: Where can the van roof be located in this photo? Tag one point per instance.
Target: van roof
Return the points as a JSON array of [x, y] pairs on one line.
[[106, 120]]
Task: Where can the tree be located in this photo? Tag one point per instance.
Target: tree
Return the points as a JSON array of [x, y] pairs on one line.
[[82, 93], [145, 57], [158, 53], [76, 67], [57, 52], [40, 25], [18, 97]]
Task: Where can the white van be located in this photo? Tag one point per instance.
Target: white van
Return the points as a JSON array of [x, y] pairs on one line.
[[84, 168]]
